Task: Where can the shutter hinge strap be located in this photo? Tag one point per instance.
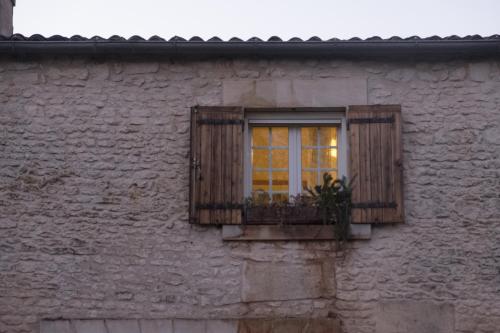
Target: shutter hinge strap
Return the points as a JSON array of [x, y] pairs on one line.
[[213, 206], [386, 120], [220, 121], [375, 205]]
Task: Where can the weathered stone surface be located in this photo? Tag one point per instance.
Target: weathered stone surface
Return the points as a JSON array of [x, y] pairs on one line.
[[156, 326], [289, 325], [55, 326], [286, 93], [263, 281], [414, 317], [189, 326], [479, 71], [290, 232], [222, 326], [89, 326], [123, 326], [94, 194]]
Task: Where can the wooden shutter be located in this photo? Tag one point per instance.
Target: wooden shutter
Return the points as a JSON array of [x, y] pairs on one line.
[[376, 163], [216, 189]]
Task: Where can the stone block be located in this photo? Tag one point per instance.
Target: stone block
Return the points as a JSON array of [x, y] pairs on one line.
[[55, 326], [269, 281], [295, 93], [255, 326], [414, 317], [289, 325], [222, 326], [479, 72], [189, 326], [89, 326], [156, 326], [290, 232], [123, 326]]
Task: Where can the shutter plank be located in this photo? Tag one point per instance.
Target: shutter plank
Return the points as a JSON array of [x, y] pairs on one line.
[[205, 172], [398, 167], [237, 173], [364, 167], [387, 170], [216, 170], [355, 173], [375, 170]]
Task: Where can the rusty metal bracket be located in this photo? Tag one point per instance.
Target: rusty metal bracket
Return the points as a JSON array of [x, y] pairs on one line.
[[375, 205]]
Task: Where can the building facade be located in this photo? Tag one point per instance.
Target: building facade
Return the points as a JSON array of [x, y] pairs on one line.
[[95, 178]]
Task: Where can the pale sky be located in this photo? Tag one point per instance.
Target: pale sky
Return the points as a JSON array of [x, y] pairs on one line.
[[261, 18]]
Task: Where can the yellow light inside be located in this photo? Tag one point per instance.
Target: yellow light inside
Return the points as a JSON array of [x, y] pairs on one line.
[[333, 151]]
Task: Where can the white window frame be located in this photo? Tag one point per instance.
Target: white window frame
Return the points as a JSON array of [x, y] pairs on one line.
[[294, 141]]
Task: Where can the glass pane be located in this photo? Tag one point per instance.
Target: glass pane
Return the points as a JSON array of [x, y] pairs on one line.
[[261, 198], [260, 136], [260, 158], [309, 179], [279, 136], [328, 136], [309, 158], [309, 136], [280, 181], [260, 181], [279, 158], [328, 158], [280, 197]]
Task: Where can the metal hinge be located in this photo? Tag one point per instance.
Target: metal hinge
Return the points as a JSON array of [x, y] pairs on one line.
[[375, 205], [220, 121], [213, 206], [386, 120]]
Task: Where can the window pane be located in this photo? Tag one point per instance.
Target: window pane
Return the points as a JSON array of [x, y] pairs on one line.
[[279, 136], [309, 179], [309, 158], [260, 136], [328, 158], [260, 158], [260, 181], [280, 181], [309, 136], [279, 158], [261, 198], [328, 136]]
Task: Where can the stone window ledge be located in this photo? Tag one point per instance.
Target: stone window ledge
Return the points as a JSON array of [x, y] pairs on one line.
[[290, 232], [257, 325]]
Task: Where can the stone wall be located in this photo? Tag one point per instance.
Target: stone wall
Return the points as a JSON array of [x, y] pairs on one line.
[[94, 188]]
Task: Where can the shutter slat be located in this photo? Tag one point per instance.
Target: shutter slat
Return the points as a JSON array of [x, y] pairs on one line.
[[215, 187], [375, 158], [375, 170], [237, 171], [354, 140], [206, 177]]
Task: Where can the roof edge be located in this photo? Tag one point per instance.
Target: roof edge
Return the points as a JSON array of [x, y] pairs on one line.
[[300, 49]]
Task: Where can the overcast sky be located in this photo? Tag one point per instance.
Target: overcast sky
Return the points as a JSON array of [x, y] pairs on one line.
[[261, 18]]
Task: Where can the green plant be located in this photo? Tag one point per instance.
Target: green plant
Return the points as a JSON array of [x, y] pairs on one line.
[[333, 199]]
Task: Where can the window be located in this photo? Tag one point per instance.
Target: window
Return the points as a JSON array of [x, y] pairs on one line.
[[287, 153], [236, 152]]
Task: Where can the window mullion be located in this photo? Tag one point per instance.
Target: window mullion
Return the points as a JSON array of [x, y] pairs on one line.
[[298, 165], [294, 161], [270, 164]]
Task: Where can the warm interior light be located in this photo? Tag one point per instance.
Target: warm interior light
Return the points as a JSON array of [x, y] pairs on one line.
[[333, 151]]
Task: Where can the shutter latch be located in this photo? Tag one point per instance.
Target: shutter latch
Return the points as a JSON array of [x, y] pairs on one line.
[[195, 164]]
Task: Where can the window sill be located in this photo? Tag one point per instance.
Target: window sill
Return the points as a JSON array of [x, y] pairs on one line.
[[290, 232]]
